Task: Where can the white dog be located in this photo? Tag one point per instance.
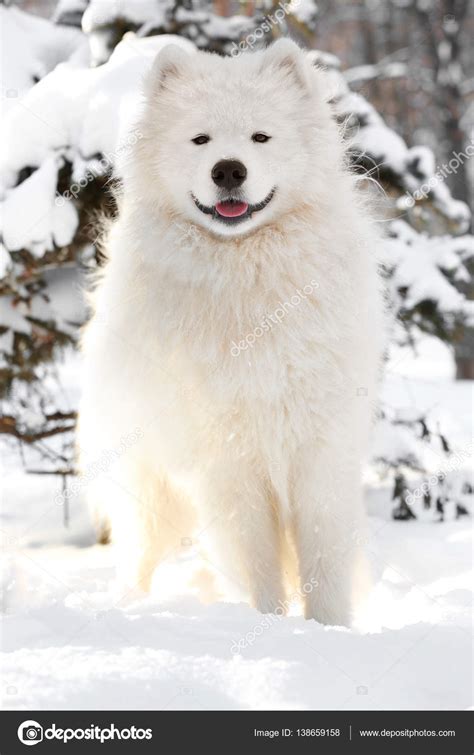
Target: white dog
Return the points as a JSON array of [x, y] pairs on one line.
[[237, 332]]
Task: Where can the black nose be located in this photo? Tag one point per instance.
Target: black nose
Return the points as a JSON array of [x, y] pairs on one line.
[[229, 174]]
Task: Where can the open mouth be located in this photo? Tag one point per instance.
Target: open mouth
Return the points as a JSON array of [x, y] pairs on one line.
[[232, 210]]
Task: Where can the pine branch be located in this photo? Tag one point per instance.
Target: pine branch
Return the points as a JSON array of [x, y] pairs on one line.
[[10, 426]]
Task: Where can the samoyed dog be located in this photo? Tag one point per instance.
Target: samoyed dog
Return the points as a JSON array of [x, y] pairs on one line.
[[236, 334]]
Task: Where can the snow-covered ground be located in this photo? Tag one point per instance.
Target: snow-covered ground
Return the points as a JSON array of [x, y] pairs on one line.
[[70, 640], [70, 644]]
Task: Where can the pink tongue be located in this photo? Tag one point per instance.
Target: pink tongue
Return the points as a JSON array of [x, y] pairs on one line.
[[231, 209]]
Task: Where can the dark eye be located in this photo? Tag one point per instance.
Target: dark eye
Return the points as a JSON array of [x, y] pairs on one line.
[[201, 139], [259, 137]]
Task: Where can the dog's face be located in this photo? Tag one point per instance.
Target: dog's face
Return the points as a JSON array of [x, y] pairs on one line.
[[230, 142]]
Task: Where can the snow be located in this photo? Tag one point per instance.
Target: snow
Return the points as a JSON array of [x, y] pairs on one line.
[[139, 12], [216, 27], [415, 167], [31, 47], [71, 116], [73, 640], [373, 137], [369, 71], [79, 111], [12, 316], [62, 302], [70, 643], [305, 11], [199, 23], [48, 223], [418, 260], [73, 113], [65, 300]]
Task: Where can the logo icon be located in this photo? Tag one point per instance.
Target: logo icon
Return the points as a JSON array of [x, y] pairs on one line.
[[30, 732]]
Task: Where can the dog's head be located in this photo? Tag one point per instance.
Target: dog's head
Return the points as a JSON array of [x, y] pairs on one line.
[[232, 143]]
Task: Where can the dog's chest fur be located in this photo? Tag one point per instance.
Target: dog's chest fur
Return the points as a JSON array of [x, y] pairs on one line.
[[260, 339]]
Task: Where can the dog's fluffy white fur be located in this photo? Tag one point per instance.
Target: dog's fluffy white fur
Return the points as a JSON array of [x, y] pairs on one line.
[[250, 428]]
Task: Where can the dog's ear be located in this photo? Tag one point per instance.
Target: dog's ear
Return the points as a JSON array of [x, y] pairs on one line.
[[285, 56], [171, 62]]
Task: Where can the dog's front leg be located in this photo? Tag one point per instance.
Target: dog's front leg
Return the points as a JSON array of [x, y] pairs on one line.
[[242, 527], [328, 530]]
